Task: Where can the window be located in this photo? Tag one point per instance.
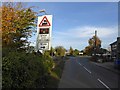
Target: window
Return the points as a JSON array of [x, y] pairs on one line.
[[44, 31]]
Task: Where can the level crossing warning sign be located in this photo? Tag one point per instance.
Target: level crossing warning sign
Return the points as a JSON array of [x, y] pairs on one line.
[[44, 32], [44, 22]]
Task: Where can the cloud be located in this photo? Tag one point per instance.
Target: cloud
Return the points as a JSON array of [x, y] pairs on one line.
[[78, 36], [88, 31]]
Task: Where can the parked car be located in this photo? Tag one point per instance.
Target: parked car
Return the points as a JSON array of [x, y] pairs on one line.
[[100, 60], [117, 64]]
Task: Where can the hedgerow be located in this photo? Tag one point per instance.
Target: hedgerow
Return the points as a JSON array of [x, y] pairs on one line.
[[22, 70]]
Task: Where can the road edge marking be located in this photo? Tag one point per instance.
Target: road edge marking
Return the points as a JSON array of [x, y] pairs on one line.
[[87, 69], [80, 64], [103, 84]]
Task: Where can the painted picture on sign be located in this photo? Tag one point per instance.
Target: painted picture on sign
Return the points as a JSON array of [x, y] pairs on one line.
[[44, 31]]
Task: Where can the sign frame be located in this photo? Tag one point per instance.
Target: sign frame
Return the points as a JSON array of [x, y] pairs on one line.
[[44, 38]]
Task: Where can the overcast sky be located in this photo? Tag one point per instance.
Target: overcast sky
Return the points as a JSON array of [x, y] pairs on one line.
[[75, 22]]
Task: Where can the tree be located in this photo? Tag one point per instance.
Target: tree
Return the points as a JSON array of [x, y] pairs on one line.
[[76, 52], [71, 51], [17, 24], [52, 51], [103, 51], [60, 51], [94, 42], [88, 50]]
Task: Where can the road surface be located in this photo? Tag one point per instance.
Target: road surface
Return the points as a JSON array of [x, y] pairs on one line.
[[79, 72]]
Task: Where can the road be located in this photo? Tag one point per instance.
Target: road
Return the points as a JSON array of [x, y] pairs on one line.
[[79, 72]]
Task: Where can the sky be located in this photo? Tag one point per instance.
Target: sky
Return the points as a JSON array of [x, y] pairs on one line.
[[75, 22], [60, 0]]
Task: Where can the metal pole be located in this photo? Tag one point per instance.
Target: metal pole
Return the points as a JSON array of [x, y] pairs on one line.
[[43, 11]]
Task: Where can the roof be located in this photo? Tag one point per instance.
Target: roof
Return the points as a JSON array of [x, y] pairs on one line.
[[114, 43]]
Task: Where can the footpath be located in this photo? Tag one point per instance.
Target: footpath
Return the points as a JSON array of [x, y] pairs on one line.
[[108, 66]]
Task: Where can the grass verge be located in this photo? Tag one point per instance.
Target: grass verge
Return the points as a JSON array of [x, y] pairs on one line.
[[56, 73]]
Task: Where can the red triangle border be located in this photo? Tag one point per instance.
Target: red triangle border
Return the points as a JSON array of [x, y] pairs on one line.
[[42, 21]]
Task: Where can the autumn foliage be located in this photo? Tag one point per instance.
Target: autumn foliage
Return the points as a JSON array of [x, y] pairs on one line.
[[19, 68], [17, 23], [89, 50]]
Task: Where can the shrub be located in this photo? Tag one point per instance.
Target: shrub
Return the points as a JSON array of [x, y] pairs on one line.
[[21, 70], [94, 58]]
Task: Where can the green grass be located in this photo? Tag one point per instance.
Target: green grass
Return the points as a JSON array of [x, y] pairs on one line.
[[53, 81], [56, 74]]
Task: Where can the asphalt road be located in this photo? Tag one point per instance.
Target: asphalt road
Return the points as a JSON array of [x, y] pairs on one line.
[[79, 72]]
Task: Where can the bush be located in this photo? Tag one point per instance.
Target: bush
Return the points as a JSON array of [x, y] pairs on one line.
[[56, 73], [94, 58], [21, 70]]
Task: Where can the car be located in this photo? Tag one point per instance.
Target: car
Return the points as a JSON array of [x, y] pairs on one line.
[[117, 64], [100, 60]]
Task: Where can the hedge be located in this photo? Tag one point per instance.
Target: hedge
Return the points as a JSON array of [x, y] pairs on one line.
[[22, 70]]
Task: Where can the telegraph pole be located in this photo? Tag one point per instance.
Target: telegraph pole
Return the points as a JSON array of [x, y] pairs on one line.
[[95, 44]]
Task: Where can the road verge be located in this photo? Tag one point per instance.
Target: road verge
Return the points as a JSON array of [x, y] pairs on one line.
[[56, 73]]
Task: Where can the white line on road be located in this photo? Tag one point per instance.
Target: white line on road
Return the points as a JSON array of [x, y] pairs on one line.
[[87, 69], [103, 84], [80, 64]]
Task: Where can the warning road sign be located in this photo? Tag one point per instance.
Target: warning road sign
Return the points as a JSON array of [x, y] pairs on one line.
[[44, 22], [44, 32]]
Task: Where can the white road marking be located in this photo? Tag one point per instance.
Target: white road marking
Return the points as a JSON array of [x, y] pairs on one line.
[[84, 67], [87, 69], [80, 64], [103, 84]]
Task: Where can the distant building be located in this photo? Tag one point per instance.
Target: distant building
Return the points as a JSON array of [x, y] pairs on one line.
[[109, 48], [113, 50], [80, 53], [67, 52]]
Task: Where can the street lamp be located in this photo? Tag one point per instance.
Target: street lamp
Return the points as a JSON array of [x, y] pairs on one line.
[[43, 10]]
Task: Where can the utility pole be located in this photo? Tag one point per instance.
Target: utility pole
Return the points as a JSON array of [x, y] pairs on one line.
[[95, 44]]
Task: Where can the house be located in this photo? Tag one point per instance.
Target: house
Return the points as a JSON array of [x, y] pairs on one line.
[[113, 50], [81, 53], [67, 52]]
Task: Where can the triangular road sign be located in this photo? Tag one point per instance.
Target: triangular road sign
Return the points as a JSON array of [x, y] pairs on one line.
[[44, 22]]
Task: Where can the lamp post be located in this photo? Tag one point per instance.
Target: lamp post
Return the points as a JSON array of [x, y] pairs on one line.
[[43, 10]]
